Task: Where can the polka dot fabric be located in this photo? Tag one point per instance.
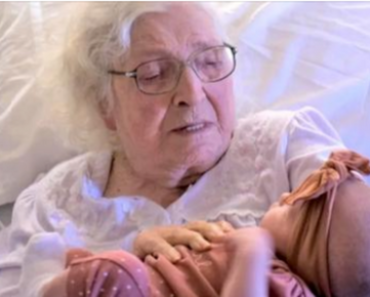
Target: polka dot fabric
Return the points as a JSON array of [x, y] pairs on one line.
[[110, 274]]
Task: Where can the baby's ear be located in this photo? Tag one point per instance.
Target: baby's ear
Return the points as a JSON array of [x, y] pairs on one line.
[[107, 115]]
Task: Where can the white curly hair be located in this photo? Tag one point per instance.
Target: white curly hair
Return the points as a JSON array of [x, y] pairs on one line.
[[98, 34]]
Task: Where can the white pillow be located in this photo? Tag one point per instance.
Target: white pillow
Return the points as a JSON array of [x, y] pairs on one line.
[[292, 54], [28, 145]]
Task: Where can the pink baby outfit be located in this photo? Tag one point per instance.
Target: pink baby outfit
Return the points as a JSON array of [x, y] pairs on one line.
[[109, 274]]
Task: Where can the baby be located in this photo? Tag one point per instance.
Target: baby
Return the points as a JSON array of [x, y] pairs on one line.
[[240, 264]]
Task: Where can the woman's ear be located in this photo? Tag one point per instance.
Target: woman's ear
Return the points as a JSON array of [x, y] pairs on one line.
[[107, 115]]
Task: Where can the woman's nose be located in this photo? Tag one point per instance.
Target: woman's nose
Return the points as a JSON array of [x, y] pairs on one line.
[[190, 89]]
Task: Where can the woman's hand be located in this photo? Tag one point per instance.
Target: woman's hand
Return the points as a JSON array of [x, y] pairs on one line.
[[161, 240]]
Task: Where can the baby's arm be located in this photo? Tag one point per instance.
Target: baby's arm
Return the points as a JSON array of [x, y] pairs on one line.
[[250, 251], [254, 272]]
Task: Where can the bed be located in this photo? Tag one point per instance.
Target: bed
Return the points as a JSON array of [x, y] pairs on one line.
[[290, 54]]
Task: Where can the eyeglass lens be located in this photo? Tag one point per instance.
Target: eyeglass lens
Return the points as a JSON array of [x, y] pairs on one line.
[[162, 75]]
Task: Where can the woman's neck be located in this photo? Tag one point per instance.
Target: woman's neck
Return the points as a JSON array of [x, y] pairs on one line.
[[123, 181]]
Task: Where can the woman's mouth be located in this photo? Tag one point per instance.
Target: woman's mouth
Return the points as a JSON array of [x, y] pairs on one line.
[[192, 128]]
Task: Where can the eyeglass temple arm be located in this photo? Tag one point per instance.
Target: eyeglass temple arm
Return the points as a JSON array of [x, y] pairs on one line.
[[233, 48], [125, 73]]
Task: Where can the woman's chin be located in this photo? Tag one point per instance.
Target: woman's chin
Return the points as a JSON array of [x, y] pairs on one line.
[[201, 144], [201, 158]]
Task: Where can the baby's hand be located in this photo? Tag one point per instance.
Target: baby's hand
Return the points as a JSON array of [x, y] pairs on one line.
[[161, 240]]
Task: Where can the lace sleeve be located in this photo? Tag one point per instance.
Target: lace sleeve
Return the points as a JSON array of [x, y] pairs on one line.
[[311, 139], [34, 253]]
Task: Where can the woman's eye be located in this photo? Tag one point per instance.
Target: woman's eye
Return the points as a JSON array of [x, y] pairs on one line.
[[211, 64], [214, 62], [151, 77]]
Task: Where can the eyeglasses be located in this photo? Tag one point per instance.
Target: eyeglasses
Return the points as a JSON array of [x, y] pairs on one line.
[[156, 77]]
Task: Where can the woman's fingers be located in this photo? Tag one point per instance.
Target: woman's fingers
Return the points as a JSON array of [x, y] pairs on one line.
[[225, 226], [153, 242], [210, 231], [162, 247], [161, 240], [185, 236]]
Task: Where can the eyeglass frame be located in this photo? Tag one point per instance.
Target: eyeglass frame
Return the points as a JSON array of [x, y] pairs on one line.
[[187, 62]]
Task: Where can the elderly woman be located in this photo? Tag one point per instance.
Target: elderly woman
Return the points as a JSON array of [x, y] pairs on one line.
[[156, 82]]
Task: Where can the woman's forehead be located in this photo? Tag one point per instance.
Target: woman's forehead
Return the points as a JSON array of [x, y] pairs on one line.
[[180, 48], [187, 30]]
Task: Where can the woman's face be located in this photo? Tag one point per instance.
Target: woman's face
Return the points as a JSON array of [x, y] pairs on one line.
[[174, 137]]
